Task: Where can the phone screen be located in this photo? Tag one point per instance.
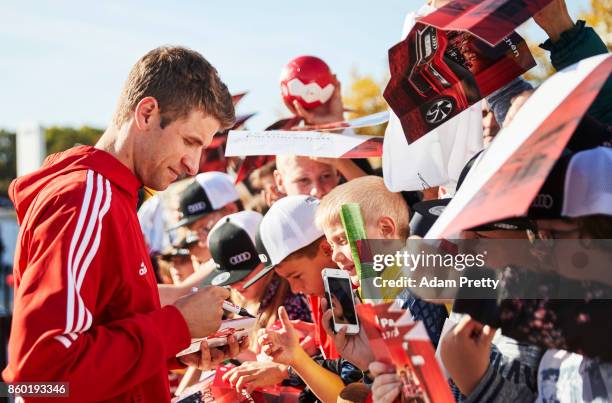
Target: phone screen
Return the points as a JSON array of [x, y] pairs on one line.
[[342, 300]]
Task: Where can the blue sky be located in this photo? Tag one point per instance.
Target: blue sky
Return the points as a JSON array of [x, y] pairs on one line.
[[64, 62]]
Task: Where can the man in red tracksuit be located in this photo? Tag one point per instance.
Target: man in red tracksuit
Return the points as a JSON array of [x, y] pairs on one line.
[[87, 310]]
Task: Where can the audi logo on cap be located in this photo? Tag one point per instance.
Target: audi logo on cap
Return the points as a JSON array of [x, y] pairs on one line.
[[195, 207], [240, 258], [543, 201]]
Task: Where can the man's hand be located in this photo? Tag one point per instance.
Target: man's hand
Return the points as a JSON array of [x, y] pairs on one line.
[[387, 385], [203, 310], [354, 348], [282, 345], [208, 358], [330, 112], [465, 352], [256, 374], [554, 19]]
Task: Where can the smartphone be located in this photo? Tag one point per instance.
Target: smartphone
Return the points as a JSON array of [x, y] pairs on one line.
[[339, 294]]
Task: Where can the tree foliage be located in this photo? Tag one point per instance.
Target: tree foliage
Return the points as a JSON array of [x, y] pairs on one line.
[[62, 138], [364, 97], [56, 139], [597, 16], [8, 160], [600, 18], [543, 69]]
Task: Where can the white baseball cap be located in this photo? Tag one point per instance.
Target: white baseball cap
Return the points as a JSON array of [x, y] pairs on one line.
[[287, 227], [579, 185]]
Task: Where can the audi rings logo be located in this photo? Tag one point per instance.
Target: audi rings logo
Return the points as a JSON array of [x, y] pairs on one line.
[[543, 200], [196, 207], [240, 258]]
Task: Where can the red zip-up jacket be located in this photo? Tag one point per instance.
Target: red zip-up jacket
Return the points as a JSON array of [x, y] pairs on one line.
[[87, 308]]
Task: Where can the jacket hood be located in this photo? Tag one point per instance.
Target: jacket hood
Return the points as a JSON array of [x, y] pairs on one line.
[[24, 189]]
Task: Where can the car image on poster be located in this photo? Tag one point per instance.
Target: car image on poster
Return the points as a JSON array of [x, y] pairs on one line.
[[437, 74]]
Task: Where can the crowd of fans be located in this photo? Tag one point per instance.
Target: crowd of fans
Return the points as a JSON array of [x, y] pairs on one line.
[[300, 234], [263, 240]]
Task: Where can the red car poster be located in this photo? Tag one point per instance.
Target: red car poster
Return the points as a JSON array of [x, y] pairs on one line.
[[405, 344], [436, 74], [489, 20]]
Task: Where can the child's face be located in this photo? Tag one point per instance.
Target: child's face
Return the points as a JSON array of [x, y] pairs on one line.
[[341, 250], [304, 273], [342, 256], [252, 293]]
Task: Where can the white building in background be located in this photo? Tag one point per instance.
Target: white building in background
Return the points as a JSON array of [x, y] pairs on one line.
[[31, 148]]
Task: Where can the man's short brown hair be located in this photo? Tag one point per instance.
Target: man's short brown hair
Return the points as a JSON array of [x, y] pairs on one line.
[[181, 80]]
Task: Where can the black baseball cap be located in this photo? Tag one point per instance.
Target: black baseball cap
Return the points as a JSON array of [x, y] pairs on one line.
[[425, 214], [210, 191], [232, 246]]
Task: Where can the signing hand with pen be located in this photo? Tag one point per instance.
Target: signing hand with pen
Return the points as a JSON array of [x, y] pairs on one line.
[[202, 310]]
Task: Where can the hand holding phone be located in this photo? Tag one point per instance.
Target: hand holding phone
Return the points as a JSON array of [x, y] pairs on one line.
[[339, 294]]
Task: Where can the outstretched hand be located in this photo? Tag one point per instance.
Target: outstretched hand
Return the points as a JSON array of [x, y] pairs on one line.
[[465, 351], [282, 345], [255, 374]]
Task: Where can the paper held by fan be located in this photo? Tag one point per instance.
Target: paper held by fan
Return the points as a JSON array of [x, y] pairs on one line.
[[304, 143], [374, 119], [239, 328], [490, 20]]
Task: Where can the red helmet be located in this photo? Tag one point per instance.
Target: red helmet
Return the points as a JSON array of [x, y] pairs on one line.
[[308, 80]]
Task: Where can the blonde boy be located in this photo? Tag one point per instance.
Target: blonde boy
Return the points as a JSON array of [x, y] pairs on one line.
[[385, 214]]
